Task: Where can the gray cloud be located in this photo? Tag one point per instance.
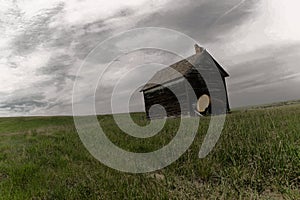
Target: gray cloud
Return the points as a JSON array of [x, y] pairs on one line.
[[58, 66], [36, 31], [268, 74], [199, 19], [268, 65], [22, 104], [68, 44]]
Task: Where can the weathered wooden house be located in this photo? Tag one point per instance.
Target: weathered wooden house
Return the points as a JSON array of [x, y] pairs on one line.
[[168, 88]]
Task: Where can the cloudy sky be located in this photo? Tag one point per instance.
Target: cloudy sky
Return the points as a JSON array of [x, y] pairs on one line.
[[43, 43]]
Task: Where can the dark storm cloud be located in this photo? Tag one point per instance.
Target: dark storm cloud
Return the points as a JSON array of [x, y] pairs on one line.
[[196, 18], [24, 103], [265, 66], [268, 74], [95, 32], [200, 18]]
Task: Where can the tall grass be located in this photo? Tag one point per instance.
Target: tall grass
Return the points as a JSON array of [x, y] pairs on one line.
[[257, 156]]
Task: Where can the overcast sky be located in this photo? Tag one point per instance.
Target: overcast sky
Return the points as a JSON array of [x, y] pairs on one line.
[[43, 43]]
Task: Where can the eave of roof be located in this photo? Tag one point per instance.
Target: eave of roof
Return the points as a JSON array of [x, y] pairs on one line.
[[177, 70]]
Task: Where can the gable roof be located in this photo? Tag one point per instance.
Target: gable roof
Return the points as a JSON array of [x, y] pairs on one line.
[[179, 69]]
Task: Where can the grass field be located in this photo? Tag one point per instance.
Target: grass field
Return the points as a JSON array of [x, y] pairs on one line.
[[257, 157]]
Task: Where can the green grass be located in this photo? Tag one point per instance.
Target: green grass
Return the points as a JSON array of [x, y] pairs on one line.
[[257, 157]]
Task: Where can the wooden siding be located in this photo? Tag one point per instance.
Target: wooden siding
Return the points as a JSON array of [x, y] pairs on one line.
[[166, 98], [195, 69], [187, 96]]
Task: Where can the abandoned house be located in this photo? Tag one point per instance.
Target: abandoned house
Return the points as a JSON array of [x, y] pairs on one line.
[[163, 86]]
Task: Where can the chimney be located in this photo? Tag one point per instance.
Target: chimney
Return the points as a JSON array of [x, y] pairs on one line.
[[198, 49]]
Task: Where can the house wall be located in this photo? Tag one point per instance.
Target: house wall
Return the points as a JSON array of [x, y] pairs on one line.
[[166, 98], [197, 88], [200, 88], [188, 96]]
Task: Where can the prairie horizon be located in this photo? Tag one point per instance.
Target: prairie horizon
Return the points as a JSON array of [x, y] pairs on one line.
[[43, 157]]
